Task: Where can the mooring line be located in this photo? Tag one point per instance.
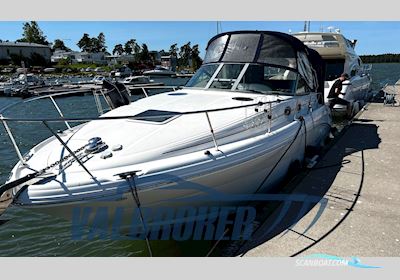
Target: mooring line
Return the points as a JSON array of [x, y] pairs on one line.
[[130, 178], [216, 243], [345, 216]]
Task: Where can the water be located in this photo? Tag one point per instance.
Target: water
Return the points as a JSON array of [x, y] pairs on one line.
[[33, 234], [385, 73]]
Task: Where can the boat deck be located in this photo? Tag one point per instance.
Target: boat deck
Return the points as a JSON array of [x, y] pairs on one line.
[[359, 210]]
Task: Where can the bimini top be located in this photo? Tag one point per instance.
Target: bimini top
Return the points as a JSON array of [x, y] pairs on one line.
[[268, 47]]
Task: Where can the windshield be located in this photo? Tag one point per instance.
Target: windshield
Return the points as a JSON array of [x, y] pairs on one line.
[[243, 77], [227, 76], [202, 76]]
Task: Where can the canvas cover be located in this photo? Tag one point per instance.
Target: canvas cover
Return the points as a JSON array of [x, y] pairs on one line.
[[267, 47]]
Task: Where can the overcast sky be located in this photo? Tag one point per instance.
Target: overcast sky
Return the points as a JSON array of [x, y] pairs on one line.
[[373, 37]]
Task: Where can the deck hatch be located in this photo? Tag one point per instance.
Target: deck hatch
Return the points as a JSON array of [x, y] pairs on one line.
[[157, 116]]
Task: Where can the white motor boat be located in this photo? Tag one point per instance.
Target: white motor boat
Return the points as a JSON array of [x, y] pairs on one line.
[[30, 80], [98, 80], [21, 83], [140, 81], [340, 57], [237, 126], [160, 72]]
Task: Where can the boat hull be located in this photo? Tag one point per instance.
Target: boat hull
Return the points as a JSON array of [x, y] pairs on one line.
[[228, 179]]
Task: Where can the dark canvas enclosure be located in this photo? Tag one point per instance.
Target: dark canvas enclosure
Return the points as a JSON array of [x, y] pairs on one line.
[[116, 94], [319, 66], [267, 47]]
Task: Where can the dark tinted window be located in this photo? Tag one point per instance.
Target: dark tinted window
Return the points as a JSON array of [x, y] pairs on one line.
[[334, 68], [328, 38], [155, 116]]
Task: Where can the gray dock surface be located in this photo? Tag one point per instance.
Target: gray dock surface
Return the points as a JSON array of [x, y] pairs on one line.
[[359, 211]]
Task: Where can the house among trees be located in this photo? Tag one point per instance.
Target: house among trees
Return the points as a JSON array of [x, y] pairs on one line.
[[35, 50], [79, 57], [114, 59], [32, 53], [155, 56], [169, 61]]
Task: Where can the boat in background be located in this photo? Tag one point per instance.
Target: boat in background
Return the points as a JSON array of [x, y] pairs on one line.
[[340, 57], [160, 71], [184, 74], [121, 72], [20, 86], [141, 81], [98, 80], [30, 80]]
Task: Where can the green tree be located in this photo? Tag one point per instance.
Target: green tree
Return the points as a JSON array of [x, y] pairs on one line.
[[196, 60], [59, 45], [137, 50], [173, 50], [64, 61], [381, 58], [131, 47], [144, 54], [85, 43], [94, 44], [118, 49], [33, 34], [184, 55], [101, 43], [163, 52]]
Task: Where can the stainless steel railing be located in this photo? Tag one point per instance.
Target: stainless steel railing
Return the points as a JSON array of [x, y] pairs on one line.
[[97, 95]]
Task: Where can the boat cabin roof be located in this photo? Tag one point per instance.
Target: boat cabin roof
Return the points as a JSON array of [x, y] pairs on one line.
[[328, 45], [267, 47]]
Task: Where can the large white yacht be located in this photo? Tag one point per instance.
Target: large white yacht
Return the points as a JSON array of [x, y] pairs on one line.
[[340, 57], [241, 121]]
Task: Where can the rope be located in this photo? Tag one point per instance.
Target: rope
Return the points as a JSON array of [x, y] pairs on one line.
[[302, 122], [131, 180], [358, 194], [216, 243], [282, 156]]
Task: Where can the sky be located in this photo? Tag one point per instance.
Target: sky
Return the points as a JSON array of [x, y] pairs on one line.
[[373, 37]]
